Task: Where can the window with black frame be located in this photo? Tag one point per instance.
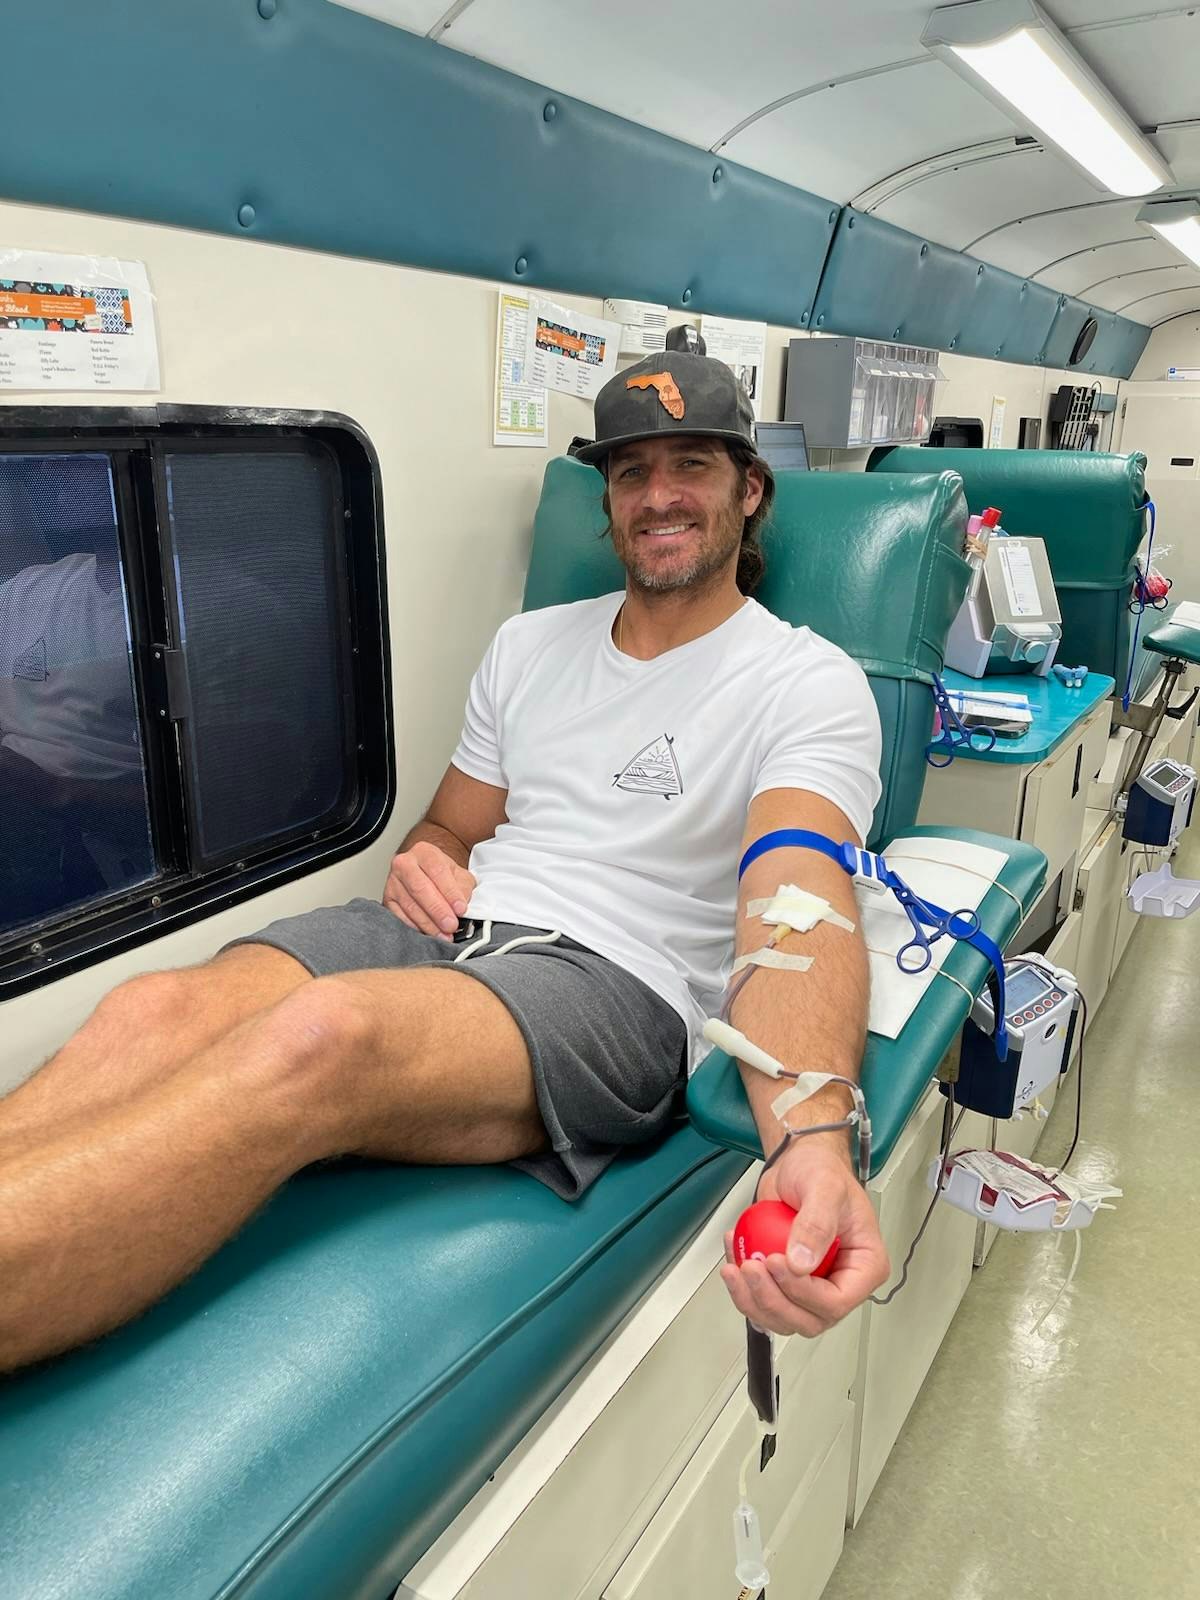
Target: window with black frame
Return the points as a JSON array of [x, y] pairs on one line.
[[193, 683]]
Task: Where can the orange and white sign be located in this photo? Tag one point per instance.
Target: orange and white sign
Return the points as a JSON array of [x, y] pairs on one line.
[[75, 322], [568, 350]]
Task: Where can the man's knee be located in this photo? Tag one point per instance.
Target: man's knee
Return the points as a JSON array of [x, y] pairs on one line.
[[322, 1028], [147, 1003]]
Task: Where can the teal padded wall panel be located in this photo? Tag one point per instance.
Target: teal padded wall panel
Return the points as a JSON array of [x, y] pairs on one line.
[[349, 136], [330, 130], [940, 297], [1115, 351]]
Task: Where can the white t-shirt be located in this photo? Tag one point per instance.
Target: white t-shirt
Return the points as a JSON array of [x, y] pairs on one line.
[[66, 681], [629, 781]]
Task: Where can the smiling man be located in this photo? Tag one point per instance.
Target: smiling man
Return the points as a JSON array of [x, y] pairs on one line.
[[552, 935]]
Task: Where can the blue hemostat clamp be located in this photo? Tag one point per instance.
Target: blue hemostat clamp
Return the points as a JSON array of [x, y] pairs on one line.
[[872, 871], [1069, 677], [955, 734]]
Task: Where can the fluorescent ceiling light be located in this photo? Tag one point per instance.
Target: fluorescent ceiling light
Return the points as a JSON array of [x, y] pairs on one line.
[[1178, 222], [1012, 51]]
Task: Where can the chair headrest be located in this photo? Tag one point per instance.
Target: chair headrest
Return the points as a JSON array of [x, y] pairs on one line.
[[871, 563]]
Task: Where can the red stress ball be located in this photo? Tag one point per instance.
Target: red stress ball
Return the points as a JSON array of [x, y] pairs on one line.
[[762, 1230]]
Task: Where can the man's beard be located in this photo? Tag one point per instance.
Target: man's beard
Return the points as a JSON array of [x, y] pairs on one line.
[[713, 549]]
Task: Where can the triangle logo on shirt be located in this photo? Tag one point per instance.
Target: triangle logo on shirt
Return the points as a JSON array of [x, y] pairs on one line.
[[32, 664], [654, 770]]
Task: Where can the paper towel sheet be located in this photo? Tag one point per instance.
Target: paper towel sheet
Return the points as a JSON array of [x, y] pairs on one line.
[[948, 872]]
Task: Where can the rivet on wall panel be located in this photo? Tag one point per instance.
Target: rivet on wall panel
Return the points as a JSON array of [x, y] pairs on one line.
[[850, 223], [833, 216], [549, 111], [895, 333], [718, 174], [979, 272], [686, 297], [999, 347], [821, 320], [246, 214], [521, 265], [267, 9], [954, 341], [924, 251], [804, 316]]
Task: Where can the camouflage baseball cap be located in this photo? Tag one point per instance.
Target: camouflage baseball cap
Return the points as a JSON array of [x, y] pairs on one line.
[[674, 392]]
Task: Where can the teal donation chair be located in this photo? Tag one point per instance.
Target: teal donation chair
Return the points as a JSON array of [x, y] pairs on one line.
[[1087, 506], [306, 1414]]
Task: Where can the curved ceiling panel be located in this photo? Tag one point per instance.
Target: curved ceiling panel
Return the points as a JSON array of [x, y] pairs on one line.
[[955, 207], [414, 16], [1086, 266], [1135, 285], [837, 142], [1086, 14], [1155, 307], [682, 66], [1151, 64], [1025, 246]]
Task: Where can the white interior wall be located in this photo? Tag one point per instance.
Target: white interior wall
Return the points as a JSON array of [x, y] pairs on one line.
[[409, 356], [415, 370], [1163, 419], [1173, 344]]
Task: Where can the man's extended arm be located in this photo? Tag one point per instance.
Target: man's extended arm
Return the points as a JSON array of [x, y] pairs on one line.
[[811, 1020], [428, 884]]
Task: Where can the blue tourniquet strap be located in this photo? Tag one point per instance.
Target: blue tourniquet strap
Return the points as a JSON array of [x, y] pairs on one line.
[[864, 863]]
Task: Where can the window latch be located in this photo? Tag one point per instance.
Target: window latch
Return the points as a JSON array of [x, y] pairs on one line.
[[171, 690]]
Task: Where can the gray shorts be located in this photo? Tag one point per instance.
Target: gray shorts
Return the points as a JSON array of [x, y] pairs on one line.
[[609, 1055]]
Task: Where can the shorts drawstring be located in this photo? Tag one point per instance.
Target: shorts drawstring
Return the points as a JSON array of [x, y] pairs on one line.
[[525, 938]]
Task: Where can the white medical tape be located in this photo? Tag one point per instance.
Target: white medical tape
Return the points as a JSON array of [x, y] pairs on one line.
[[797, 909], [768, 956], [805, 1086]]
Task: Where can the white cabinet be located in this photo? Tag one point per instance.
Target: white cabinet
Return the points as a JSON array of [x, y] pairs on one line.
[[900, 1341], [1100, 883], [687, 1549], [1041, 803]]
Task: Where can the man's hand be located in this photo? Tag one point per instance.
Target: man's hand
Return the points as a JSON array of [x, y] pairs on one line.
[[778, 1294], [428, 890]]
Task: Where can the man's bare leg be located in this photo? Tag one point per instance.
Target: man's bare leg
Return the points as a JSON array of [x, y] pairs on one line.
[[142, 1030], [98, 1222]]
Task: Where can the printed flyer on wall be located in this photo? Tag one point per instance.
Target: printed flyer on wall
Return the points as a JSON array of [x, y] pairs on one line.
[[519, 412], [75, 322], [568, 350], [742, 346]]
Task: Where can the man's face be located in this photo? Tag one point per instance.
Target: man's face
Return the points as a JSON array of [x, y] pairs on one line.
[[677, 509]]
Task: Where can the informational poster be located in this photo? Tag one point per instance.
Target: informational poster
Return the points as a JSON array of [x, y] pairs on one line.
[[569, 351], [519, 409], [75, 322], [742, 346], [996, 430]]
